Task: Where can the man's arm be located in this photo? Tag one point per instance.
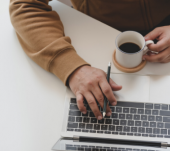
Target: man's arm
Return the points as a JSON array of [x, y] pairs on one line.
[[41, 35]]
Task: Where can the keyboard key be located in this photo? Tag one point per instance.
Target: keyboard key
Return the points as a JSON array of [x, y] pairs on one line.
[[86, 131], [144, 117], [121, 116], [100, 132], [118, 109], [119, 128], [133, 129], [123, 122], [70, 129], [103, 127], [93, 120], [78, 119], [70, 148], [145, 135], [164, 131], [152, 135], [87, 149], [151, 118], [88, 108], [152, 124], [81, 125], [160, 125], [77, 130], [164, 113], [156, 130], [108, 121], [140, 111], [145, 124], [92, 131], [89, 126], [114, 115], [166, 119], [122, 133], [129, 116], [87, 114], [138, 123], [157, 106], [107, 132], [141, 129], [166, 136], [101, 121], [72, 125], [136, 117], [86, 120], [92, 114], [130, 123], [96, 126], [73, 107], [148, 130], [85, 102], [133, 110], [160, 136], [73, 100], [148, 105], [126, 129], [125, 110], [164, 107], [74, 113], [130, 104], [137, 134], [130, 134], [80, 149], [115, 133], [155, 112], [116, 122], [71, 119], [148, 112], [111, 127], [167, 125], [159, 118], [169, 132], [112, 108]]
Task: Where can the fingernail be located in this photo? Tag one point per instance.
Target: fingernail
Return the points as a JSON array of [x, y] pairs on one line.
[[84, 112], [108, 114], [99, 117], [114, 103]]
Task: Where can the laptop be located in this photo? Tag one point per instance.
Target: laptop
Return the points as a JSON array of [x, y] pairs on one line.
[[135, 117]]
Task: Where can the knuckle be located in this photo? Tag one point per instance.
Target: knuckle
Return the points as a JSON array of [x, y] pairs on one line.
[[100, 98], [91, 102], [106, 90], [90, 82]]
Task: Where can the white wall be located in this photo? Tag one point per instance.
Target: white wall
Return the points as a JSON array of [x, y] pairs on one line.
[[67, 2]]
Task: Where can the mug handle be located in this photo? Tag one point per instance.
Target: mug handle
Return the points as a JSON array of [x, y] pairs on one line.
[[146, 49]]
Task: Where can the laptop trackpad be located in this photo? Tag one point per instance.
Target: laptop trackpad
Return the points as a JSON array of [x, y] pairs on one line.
[[134, 87]]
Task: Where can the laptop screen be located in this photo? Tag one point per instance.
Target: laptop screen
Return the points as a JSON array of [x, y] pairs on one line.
[[64, 145]]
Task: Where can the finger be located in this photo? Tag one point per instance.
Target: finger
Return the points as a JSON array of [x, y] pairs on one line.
[[114, 86], [93, 105], [100, 98], [80, 104], [159, 46], [107, 91], [159, 57], [154, 34]]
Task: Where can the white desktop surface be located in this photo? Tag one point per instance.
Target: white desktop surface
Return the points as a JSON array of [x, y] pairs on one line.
[[31, 99]]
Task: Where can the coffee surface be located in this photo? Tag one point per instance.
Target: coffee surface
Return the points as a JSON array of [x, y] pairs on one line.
[[129, 47]]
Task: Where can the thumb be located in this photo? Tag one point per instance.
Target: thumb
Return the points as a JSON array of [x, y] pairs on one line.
[[154, 34], [114, 86]]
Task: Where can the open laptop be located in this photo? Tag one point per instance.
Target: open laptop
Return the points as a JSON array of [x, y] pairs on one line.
[[135, 117]]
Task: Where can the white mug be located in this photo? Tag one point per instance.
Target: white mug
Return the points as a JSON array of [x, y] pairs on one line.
[[131, 60]]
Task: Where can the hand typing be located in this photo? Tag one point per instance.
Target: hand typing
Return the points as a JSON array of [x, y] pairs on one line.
[[91, 83], [162, 34]]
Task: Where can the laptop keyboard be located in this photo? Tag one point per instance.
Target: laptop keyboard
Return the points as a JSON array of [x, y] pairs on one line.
[[100, 148], [128, 118]]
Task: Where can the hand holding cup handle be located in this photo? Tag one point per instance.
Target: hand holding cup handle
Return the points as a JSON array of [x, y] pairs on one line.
[[146, 49]]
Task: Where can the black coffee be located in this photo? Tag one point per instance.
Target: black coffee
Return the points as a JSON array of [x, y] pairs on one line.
[[129, 47]]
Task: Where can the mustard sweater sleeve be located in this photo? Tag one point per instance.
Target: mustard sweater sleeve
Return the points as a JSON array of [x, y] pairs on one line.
[[41, 35]]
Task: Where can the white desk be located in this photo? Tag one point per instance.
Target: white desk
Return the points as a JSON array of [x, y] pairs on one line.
[[30, 98]]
